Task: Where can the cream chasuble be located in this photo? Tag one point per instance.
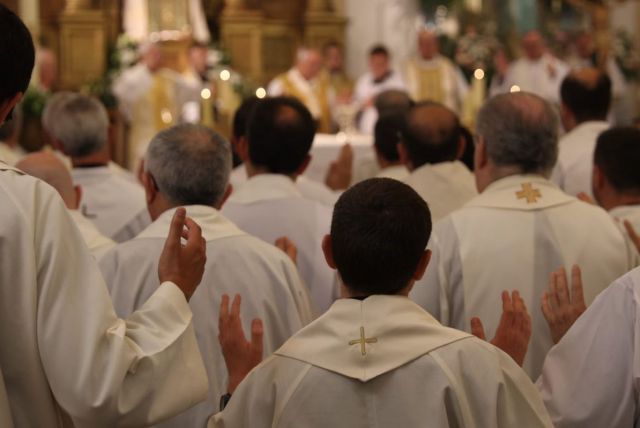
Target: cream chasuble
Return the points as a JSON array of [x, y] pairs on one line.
[[384, 362], [437, 80], [64, 354], [512, 236], [590, 378], [236, 264], [115, 204], [97, 243], [270, 206], [446, 186]]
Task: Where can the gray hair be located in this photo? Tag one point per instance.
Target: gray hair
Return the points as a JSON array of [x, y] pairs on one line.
[[190, 164], [520, 130], [81, 125], [51, 108]]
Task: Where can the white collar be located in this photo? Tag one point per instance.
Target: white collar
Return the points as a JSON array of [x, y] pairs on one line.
[[592, 126], [446, 169], [624, 212], [264, 187], [403, 332], [5, 167], [93, 174], [506, 193], [213, 224]]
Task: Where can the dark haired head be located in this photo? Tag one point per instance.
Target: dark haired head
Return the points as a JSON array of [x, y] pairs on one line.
[[379, 233], [617, 155], [587, 94], [17, 55], [387, 136], [431, 134], [281, 131], [242, 115], [379, 50]]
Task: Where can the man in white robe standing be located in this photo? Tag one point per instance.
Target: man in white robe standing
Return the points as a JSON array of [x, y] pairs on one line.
[[433, 77], [189, 165], [538, 72], [66, 359], [380, 77], [586, 98], [269, 205], [50, 169], [430, 145], [111, 201], [375, 358], [519, 229]]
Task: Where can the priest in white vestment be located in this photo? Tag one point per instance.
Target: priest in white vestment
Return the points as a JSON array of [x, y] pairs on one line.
[[616, 178], [589, 379], [111, 201], [375, 358], [430, 146], [189, 165], [66, 359], [380, 77], [304, 81], [433, 77], [586, 98], [269, 205], [538, 72], [50, 169], [519, 229]]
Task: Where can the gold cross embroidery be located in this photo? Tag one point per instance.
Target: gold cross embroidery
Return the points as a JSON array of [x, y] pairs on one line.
[[529, 193], [363, 341]]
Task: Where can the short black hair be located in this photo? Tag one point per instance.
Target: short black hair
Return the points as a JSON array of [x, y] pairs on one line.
[[431, 134], [585, 102], [281, 131], [379, 50], [242, 115], [617, 154], [387, 136], [17, 55], [379, 231]]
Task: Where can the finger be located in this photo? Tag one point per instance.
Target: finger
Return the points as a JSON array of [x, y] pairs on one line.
[[577, 293], [177, 226], [507, 309], [554, 301], [235, 307], [518, 310], [585, 198], [477, 329], [562, 289], [257, 332], [546, 308], [224, 308], [194, 234]]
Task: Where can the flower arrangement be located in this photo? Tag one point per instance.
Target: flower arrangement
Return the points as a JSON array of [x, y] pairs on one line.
[[626, 55]]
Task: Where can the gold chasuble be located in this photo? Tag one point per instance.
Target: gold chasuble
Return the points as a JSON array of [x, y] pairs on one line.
[[319, 91]]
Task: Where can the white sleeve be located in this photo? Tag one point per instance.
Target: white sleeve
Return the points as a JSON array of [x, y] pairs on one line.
[[589, 377], [105, 371]]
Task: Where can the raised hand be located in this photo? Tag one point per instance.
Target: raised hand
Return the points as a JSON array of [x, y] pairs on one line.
[[560, 309], [240, 355], [183, 264], [289, 248], [514, 330], [341, 170]]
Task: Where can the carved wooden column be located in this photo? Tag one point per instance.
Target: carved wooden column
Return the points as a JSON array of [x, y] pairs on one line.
[[323, 24], [82, 44]]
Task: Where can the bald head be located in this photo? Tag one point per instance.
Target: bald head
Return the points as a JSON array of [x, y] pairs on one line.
[[586, 95], [428, 44], [431, 134], [47, 167], [520, 131], [309, 62], [533, 45]]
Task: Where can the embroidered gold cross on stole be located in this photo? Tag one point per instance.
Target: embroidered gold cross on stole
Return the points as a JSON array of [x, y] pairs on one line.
[[529, 193], [363, 341]]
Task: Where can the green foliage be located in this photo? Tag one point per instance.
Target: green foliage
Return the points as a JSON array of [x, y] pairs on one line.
[[33, 103]]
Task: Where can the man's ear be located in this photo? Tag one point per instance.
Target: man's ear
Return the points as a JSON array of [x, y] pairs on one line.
[[403, 154], [226, 195], [462, 146], [150, 186], [8, 105], [305, 164], [327, 250], [598, 179], [242, 148], [480, 157], [425, 258], [78, 191]]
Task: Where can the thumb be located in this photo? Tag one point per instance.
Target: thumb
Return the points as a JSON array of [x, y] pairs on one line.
[[177, 226], [257, 331], [477, 329]]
